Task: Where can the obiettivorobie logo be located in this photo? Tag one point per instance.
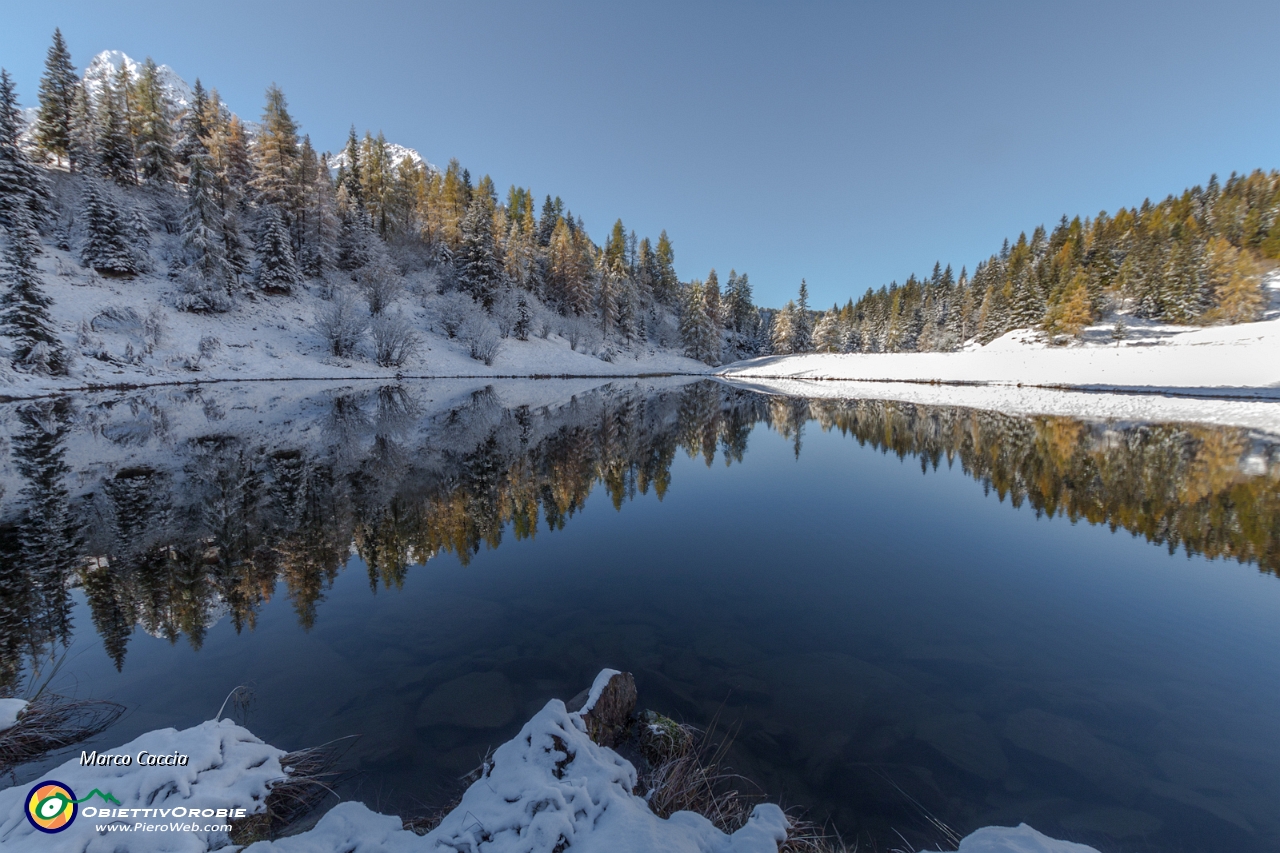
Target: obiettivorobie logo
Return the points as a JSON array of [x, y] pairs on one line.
[[52, 806]]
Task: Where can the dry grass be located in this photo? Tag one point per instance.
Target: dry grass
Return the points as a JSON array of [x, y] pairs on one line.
[[309, 778], [52, 722]]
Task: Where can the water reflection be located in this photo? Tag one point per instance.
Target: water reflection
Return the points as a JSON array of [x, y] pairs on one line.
[[174, 510]]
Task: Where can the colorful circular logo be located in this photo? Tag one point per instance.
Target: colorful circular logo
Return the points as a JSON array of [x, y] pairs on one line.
[[51, 806]]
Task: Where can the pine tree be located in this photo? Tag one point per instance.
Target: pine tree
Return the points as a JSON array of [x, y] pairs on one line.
[[711, 319], [107, 244], [154, 133], [57, 96], [82, 147], [277, 270], [114, 142], [210, 277], [479, 272], [524, 318], [318, 222], [24, 314], [194, 130], [667, 285], [803, 331]]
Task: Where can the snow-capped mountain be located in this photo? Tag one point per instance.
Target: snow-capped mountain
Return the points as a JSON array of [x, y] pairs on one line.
[[396, 152], [106, 64]]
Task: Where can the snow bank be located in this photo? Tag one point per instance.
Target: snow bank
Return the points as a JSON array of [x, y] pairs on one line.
[[9, 711], [1212, 361], [228, 768], [547, 788]]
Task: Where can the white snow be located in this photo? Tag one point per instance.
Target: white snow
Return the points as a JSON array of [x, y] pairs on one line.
[[395, 152], [229, 768], [103, 67], [1224, 374], [9, 711], [549, 784], [274, 337]]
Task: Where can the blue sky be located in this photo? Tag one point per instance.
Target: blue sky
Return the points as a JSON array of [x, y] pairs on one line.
[[847, 143]]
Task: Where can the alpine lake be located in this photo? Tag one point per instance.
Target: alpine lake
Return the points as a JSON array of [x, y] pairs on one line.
[[901, 614]]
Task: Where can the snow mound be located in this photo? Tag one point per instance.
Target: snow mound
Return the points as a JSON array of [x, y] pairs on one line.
[[228, 768], [548, 788], [9, 711], [1017, 839], [105, 65]]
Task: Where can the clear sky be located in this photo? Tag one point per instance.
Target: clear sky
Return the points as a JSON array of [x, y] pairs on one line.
[[847, 143]]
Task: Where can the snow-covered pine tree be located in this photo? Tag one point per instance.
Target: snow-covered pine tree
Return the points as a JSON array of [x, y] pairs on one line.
[[783, 330], [82, 148], [610, 273], [667, 285], [193, 131], [355, 235], [24, 307], [208, 275], [479, 272], [57, 95], [524, 318], [827, 333], [277, 270], [106, 245], [802, 332], [154, 133], [114, 142], [318, 223], [711, 318]]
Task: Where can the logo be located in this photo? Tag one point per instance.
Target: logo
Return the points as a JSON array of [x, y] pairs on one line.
[[52, 806]]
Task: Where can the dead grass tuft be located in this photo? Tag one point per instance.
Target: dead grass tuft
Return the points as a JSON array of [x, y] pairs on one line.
[[52, 722]]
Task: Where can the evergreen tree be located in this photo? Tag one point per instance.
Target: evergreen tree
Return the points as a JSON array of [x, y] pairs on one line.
[[479, 272], [803, 322], [524, 318], [57, 97], [24, 307], [667, 286], [318, 225], [194, 130], [82, 147], [210, 276], [277, 270], [114, 142], [107, 244], [154, 133]]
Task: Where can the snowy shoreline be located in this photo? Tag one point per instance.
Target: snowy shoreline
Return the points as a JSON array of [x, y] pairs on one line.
[[551, 787]]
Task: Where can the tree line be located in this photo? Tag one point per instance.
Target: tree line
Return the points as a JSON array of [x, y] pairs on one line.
[[259, 211], [1195, 258]]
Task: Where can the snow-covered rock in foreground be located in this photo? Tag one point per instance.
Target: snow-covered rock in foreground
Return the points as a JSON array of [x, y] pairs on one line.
[[9, 711], [549, 788], [228, 768]]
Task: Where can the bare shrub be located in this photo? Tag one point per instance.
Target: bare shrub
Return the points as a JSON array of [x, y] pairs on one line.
[[394, 340], [480, 334], [452, 311], [53, 722], [342, 323], [381, 285]]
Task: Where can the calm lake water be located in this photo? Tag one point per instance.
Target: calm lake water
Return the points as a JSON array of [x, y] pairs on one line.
[[900, 609]]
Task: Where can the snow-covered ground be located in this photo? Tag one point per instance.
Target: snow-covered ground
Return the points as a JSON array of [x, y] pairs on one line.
[[275, 337], [548, 788], [1223, 375]]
